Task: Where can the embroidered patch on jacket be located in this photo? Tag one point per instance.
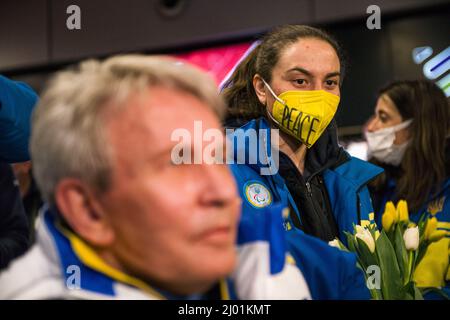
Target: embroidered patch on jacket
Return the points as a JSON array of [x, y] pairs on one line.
[[257, 194]]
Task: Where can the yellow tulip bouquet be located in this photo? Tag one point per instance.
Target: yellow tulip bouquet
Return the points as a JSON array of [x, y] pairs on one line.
[[389, 258]]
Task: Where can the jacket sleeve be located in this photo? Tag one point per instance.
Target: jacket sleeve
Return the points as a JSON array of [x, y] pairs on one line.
[[13, 221], [331, 274], [278, 264], [17, 101]]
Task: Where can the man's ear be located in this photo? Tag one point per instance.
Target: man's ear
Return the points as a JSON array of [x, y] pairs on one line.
[[78, 205], [260, 88]]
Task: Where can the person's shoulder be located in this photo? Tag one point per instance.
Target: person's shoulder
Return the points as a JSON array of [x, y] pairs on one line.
[[32, 276], [358, 171], [354, 163]]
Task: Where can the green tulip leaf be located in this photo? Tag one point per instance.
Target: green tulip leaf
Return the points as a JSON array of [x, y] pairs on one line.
[[351, 242], [401, 254], [391, 284]]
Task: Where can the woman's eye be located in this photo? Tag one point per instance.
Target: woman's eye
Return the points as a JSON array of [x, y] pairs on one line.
[[331, 82], [300, 81], [383, 118]]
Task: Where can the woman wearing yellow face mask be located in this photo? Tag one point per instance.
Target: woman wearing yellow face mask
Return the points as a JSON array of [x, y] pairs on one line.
[[291, 82], [409, 137]]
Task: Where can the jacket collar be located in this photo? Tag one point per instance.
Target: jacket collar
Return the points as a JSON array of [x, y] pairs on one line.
[[96, 275], [259, 156], [357, 171]]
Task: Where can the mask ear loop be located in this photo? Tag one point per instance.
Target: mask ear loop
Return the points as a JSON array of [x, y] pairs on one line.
[[403, 125], [277, 98], [273, 93]]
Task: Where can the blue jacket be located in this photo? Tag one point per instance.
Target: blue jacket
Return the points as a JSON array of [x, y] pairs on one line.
[[17, 101], [346, 184], [328, 272], [268, 254]]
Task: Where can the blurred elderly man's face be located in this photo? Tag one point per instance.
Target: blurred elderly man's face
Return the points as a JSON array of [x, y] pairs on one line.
[[171, 225]]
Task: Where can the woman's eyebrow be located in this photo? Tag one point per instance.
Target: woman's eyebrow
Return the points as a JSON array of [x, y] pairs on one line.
[[333, 74], [309, 73], [299, 69]]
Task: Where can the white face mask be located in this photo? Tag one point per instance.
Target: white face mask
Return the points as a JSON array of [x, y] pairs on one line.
[[381, 144]]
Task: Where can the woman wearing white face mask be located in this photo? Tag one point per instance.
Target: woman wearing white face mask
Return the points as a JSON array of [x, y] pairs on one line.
[[383, 144], [409, 137]]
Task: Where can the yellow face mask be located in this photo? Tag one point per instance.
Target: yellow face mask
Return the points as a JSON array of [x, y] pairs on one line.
[[304, 114]]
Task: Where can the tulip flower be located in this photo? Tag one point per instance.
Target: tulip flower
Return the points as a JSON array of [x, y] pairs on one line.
[[402, 211], [366, 237], [389, 216], [387, 220], [377, 235], [430, 228], [437, 235], [359, 229], [390, 208], [334, 243], [411, 238]]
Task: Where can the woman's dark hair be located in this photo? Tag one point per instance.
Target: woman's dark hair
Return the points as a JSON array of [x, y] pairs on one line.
[[238, 90], [423, 165]]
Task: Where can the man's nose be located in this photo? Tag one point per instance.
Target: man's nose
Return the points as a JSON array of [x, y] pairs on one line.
[[219, 185]]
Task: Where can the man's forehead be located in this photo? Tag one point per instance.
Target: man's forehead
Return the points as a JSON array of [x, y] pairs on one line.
[[156, 116]]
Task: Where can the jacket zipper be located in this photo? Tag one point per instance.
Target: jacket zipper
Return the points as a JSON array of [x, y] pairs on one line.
[[308, 187]]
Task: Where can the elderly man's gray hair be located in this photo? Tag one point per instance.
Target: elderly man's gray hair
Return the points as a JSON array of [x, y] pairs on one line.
[[68, 138]]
